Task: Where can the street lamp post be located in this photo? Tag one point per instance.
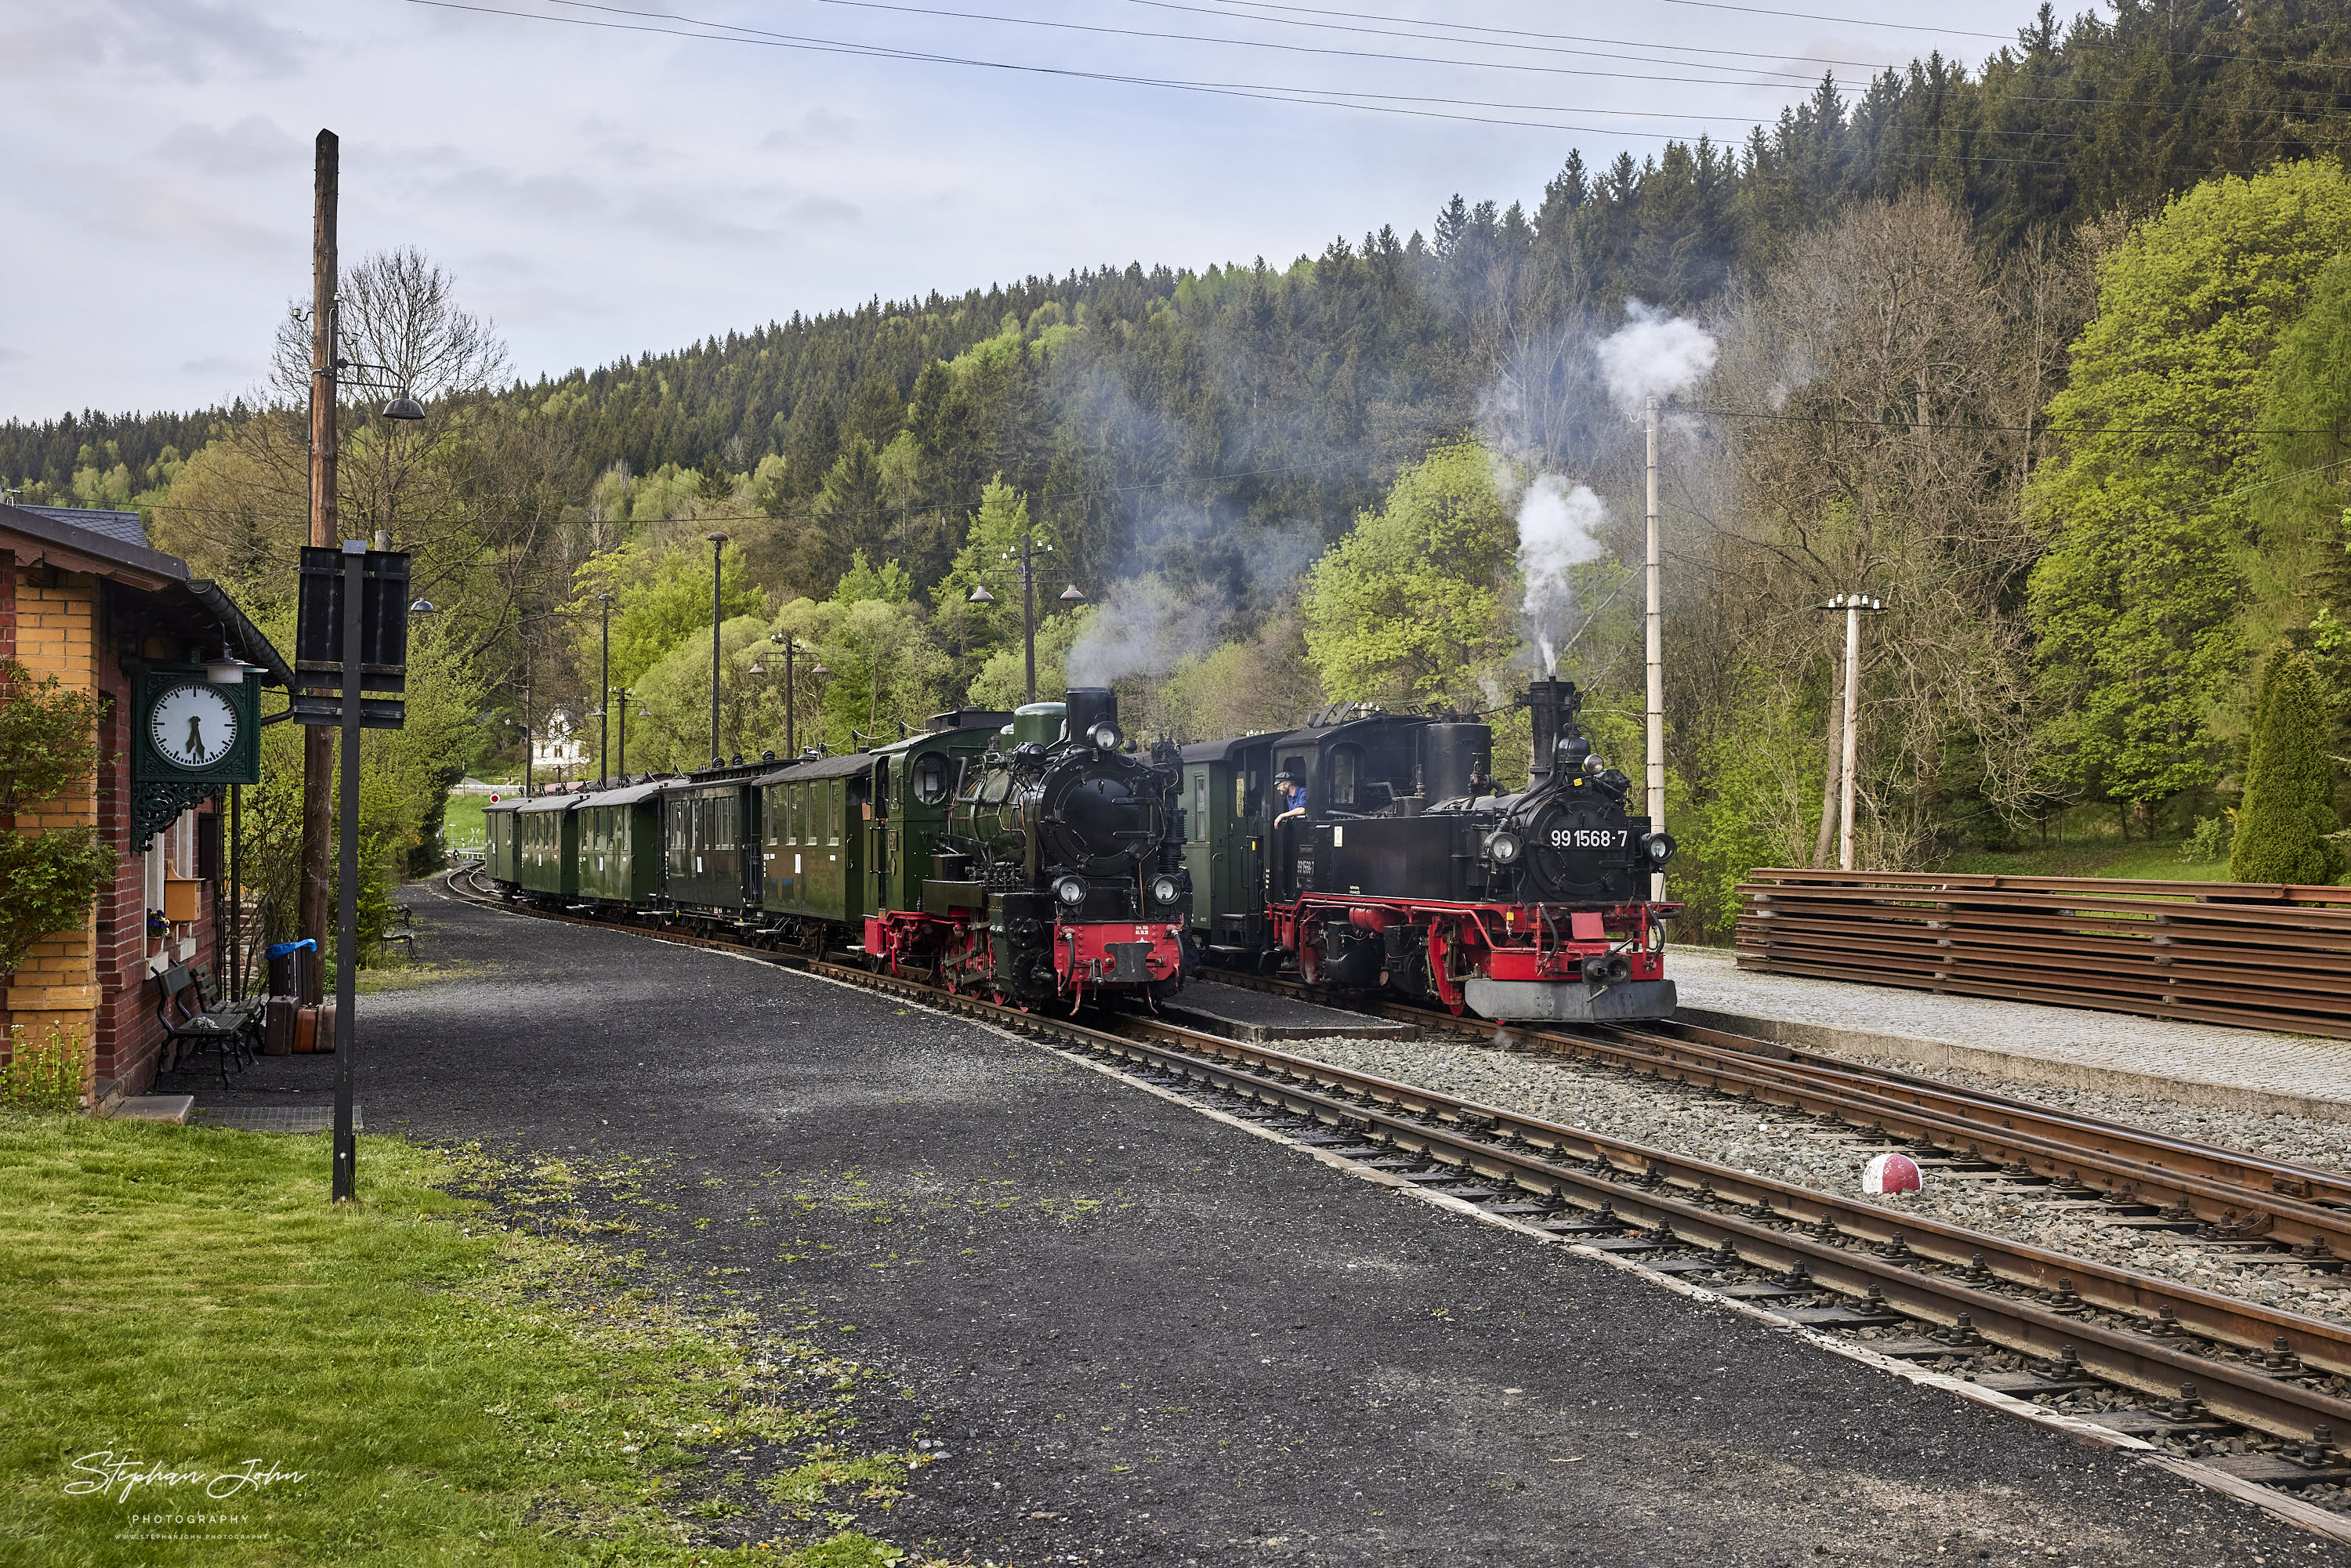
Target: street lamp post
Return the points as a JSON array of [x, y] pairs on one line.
[[717, 546], [1854, 606], [1027, 573], [623, 697], [792, 648], [605, 693]]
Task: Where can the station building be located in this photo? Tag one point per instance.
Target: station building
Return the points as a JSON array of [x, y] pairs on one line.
[[85, 599]]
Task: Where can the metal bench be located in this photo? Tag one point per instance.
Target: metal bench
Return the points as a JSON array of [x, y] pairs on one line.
[[190, 1028]]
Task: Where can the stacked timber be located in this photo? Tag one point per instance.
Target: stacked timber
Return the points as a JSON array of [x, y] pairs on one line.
[[2262, 956]]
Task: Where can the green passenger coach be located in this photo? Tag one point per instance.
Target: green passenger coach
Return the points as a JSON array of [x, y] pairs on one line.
[[498, 841], [546, 846], [812, 847], [621, 845]]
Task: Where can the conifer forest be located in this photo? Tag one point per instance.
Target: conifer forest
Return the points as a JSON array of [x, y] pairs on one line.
[[2053, 357]]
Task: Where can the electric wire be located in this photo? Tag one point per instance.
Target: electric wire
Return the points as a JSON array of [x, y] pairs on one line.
[[2005, 39], [1258, 5], [886, 5], [1319, 98]]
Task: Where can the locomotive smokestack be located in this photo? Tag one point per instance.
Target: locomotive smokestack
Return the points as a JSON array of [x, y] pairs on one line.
[[1554, 704], [1091, 707]]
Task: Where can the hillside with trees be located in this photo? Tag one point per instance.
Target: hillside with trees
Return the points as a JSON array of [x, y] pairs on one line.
[[2046, 354]]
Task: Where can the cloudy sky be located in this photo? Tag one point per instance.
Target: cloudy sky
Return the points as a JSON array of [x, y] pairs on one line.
[[602, 184]]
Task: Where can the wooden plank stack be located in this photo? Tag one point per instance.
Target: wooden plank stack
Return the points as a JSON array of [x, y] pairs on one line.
[[2258, 955]]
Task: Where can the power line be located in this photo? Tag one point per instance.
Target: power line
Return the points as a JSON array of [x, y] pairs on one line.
[[1719, 80], [2203, 430], [1319, 98], [2004, 39], [1518, 42], [1256, 6]]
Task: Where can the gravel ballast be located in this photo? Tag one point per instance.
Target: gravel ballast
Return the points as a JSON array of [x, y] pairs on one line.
[[1787, 1147], [1140, 1334]]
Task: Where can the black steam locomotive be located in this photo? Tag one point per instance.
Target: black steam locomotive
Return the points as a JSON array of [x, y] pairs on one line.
[[1409, 868], [1029, 856]]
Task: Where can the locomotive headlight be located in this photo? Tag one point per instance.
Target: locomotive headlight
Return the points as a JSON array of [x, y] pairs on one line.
[[1165, 889], [1104, 735], [1504, 848], [1069, 891], [1658, 847]]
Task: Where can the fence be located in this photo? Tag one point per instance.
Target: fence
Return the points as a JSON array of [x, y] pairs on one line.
[[2259, 955]]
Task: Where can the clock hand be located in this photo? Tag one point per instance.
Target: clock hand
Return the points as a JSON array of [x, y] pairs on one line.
[[195, 736]]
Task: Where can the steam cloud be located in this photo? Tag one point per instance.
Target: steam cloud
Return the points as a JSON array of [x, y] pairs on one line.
[[1144, 628], [1654, 354], [1558, 529]]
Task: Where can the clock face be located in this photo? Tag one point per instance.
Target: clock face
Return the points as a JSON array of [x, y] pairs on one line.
[[192, 725]]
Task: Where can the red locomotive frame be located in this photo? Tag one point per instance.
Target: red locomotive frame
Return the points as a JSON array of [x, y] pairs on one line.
[[1087, 954], [1497, 941]]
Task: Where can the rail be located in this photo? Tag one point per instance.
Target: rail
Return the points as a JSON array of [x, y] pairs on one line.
[[2253, 1365], [2257, 956]]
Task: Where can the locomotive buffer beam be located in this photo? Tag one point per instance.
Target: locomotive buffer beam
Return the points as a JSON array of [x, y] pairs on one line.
[[1128, 963], [1569, 1001]]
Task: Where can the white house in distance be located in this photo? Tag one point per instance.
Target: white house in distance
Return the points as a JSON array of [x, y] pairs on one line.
[[563, 746]]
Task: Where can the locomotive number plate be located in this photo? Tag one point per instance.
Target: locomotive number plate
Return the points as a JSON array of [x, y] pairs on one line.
[[1590, 838]]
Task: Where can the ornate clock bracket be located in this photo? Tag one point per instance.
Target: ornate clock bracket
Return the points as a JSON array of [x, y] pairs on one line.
[[156, 804]]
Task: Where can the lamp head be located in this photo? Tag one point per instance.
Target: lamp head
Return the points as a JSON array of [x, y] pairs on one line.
[[1070, 595], [980, 595], [403, 407]]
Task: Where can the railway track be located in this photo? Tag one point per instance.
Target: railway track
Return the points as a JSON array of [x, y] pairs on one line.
[[2257, 1391], [2224, 1195]]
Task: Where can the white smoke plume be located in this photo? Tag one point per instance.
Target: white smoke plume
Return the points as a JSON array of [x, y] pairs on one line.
[[1144, 627], [1654, 354], [1559, 528]]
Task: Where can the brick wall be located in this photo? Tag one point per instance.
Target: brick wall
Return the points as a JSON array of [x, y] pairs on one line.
[[95, 982], [8, 650], [55, 628]]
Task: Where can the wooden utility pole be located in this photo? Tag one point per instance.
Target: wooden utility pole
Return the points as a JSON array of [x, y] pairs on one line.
[[319, 740]]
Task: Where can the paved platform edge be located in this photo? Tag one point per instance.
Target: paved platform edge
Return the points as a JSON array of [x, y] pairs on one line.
[[172, 1108], [1354, 1028], [2015, 1066]]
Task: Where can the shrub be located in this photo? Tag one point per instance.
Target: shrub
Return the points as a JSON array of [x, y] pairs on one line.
[[46, 1076], [49, 744], [2285, 829], [2212, 838]]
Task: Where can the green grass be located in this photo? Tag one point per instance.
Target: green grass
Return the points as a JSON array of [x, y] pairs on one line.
[[2157, 862], [460, 823], [431, 1386]]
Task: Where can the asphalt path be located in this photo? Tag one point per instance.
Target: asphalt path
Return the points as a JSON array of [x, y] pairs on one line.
[[1146, 1336]]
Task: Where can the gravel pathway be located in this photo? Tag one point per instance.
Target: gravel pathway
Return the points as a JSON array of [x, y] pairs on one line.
[[1790, 1148]]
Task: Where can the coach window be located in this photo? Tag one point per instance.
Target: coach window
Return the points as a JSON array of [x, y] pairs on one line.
[[836, 808], [1199, 823]]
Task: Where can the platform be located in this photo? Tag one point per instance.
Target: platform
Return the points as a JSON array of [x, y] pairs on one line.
[[275, 1118], [2069, 1048], [1262, 1017]]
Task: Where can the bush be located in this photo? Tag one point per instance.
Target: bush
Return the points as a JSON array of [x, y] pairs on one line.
[[42, 1077], [2211, 840], [2284, 830]]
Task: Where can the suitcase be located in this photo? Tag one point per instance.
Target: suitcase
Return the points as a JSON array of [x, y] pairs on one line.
[[277, 1026]]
